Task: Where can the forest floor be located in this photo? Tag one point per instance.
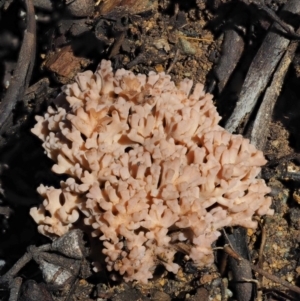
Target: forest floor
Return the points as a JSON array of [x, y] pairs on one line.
[[212, 42]]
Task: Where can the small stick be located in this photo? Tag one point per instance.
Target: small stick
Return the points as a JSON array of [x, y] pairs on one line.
[[15, 289], [260, 71], [275, 18], [22, 72], [240, 268], [9, 275], [229, 250], [232, 50], [117, 45], [260, 128], [174, 61], [276, 279], [260, 271], [224, 286], [262, 245], [196, 39]]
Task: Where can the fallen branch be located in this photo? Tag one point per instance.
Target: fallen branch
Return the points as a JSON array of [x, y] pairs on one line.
[[260, 128], [260, 71], [232, 49], [22, 73], [258, 270], [240, 269]]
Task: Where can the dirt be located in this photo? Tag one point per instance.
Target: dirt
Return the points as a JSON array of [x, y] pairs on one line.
[[183, 39]]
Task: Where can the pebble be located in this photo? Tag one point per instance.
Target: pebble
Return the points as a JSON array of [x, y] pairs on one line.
[[186, 47]]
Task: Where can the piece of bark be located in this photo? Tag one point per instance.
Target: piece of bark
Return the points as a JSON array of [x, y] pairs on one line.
[[22, 72], [234, 254], [15, 286], [232, 49], [260, 71], [133, 6], [46, 5], [241, 270], [65, 64], [8, 277], [80, 8], [32, 291], [260, 128]]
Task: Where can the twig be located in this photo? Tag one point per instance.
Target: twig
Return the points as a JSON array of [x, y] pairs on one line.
[[279, 295], [224, 286], [258, 270], [262, 245], [136, 60], [196, 39], [7, 278], [71, 291], [292, 34], [15, 289], [260, 71], [276, 279], [174, 61], [22, 73], [240, 268], [117, 45], [232, 49], [260, 128]]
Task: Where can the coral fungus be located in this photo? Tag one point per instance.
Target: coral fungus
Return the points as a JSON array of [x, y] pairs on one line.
[[148, 167]]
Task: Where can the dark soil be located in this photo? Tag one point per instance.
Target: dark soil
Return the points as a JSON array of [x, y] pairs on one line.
[[183, 38]]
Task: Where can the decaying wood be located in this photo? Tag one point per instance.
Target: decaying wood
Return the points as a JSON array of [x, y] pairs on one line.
[[15, 289], [276, 279], [22, 73], [292, 34], [232, 49], [9, 275], [241, 269], [260, 128], [65, 64], [230, 251], [260, 71]]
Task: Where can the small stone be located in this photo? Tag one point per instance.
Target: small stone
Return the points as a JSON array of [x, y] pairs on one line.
[[289, 278], [186, 47], [162, 44], [229, 293], [296, 196], [250, 232], [160, 296], [159, 68]]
